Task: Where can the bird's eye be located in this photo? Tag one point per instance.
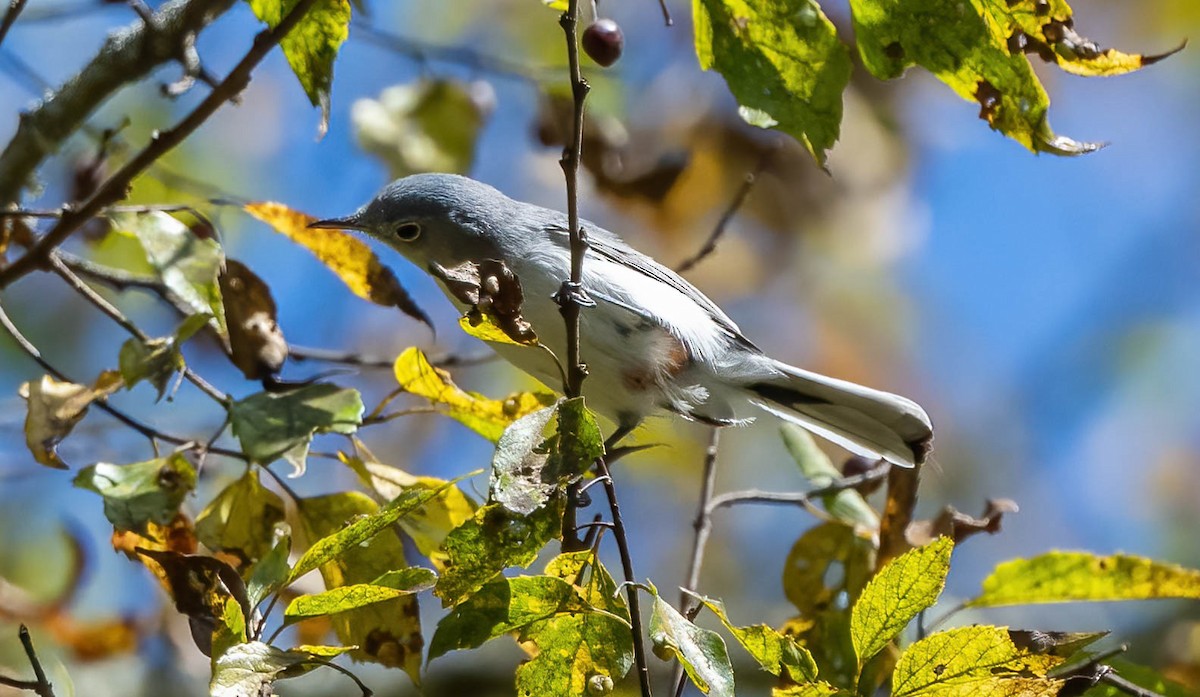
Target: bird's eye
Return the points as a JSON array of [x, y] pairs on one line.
[[407, 232]]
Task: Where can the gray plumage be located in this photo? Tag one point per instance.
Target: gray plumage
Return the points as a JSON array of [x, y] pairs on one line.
[[652, 342]]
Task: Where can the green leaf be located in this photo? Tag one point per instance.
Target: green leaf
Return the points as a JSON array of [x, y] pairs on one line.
[[142, 492], [847, 506], [810, 689], [783, 62], [250, 669], [701, 651], [579, 654], [1057, 577], [187, 265], [580, 442], [399, 583], [271, 425], [503, 606], [359, 545], [230, 630], [156, 361], [241, 519], [980, 660], [430, 125], [429, 525], [370, 523], [518, 479], [270, 573], [970, 54], [777, 654], [904, 587], [312, 44], [491, 541]]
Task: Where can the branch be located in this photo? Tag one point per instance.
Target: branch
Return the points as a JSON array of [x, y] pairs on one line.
[[128, 55], [702, 525], [114, 188], [42, 687], [571, 297], [710, 245], [801, 498], [10, 17], [902, 483]]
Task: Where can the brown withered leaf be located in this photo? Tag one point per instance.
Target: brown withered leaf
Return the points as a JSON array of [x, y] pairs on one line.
[[959, 526], [95, 640], [493, 292], [256, 342], [200, 586], [344, 254], [54, 409]]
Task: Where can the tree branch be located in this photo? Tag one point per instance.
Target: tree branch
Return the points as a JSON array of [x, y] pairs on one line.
[[710, 245], [42, 687], [10, 17], [114, 188], [128, 55]]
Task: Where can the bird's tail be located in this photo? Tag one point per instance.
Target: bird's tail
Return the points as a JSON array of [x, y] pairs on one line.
[[865, 421]]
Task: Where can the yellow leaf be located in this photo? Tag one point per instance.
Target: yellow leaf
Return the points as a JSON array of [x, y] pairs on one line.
[[429, 525], [484, 328], [346, 255], [487, 417], [1057, 577], [980, 660], [54, 409]]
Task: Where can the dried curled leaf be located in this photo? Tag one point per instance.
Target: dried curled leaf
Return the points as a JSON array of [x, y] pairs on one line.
[[959, 526], [346, 255], [256, 343], [493, 295], [54, 409]]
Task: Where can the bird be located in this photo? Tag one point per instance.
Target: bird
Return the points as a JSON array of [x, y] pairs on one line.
[[651, 341]]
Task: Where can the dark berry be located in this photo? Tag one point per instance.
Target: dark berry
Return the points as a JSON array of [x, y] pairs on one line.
[[603, 41]]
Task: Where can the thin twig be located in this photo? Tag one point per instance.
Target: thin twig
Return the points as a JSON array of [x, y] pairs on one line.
[[793, 498], [425, 52], [115, 187], [78, 285], [702, 525], [666, 13], [1126, 686], [10, 17], [42, 687], [128, 55], [631, 591], [149, 432], [710, 245]]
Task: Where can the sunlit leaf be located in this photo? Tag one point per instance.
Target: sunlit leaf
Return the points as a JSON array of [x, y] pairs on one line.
[[394, 585], [142, 492], [810, 689], [356, 544], [847, 506], [502, 606], [494, 299], [344, 254], [1046, 29], [1057, 577], [230, 629], [517, 481], [54, 407], [701, 651], [430, 125], [904, 587], [256, 343], [188, 265], [368, 521], [271, 425], [494, 539], [777, 654], [980, 660], [970, 54], [250, 669], [312, 44], [488, 417], [429, 525], [241, 519], [783, 62]]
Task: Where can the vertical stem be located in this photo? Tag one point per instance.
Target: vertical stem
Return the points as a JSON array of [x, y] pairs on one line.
[[631, 590], [702, 524], [898, 510], [43, 688]]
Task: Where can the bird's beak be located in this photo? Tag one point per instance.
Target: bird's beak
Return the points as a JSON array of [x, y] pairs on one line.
[[350, 222]]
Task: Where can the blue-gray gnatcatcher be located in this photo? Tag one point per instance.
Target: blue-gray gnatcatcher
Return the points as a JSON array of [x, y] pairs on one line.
[[651, 342]]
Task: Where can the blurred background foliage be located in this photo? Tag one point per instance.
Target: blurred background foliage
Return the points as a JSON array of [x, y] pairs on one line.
[[1045, 311]]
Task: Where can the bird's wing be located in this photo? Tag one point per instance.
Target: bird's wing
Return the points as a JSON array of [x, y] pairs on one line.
[[605, 244]]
